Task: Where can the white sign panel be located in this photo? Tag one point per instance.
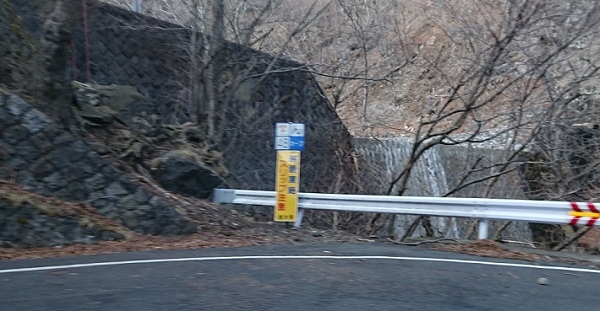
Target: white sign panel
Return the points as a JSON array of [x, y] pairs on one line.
[[283, 129], [282, 143], [297, 129], [289, 136]]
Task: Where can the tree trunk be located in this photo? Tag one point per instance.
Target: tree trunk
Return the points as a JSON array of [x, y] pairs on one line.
[[214, 68], [52, 85]]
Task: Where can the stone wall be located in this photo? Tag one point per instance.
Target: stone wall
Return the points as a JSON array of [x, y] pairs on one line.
[[126, 48], [35, 153]]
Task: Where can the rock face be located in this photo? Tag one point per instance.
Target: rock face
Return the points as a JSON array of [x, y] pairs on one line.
[[182, 172], [103, 105], [139, 99], [50, 161], [129, 128]]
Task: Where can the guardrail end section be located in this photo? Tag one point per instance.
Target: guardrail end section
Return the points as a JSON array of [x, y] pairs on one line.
[[223, 195]]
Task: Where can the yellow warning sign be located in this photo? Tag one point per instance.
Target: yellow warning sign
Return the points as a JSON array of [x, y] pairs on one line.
[[287, 185]]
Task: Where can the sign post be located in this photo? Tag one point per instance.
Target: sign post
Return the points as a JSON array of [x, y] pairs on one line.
[[289, 142]]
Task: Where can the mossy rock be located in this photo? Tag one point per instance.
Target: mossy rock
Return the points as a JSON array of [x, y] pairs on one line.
[[97, 115], [103, 104], [119, 97], [185, 154]]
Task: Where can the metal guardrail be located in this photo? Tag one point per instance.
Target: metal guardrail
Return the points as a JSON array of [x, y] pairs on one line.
[[551, 212]]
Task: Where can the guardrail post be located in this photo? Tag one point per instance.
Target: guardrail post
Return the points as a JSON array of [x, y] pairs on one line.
[[482, 232], [298, 221], [223, 195]]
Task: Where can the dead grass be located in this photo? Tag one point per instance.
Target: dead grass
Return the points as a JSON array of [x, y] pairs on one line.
[[487, 248], [16, 195], [258, 234]]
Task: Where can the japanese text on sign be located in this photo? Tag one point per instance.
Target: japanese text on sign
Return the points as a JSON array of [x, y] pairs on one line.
[[288, 168]]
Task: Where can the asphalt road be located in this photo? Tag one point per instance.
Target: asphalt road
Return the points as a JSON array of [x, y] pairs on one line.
[[292, 283]]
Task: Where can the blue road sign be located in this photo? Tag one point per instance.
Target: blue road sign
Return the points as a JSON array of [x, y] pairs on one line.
[[289, 136], [297, 143]]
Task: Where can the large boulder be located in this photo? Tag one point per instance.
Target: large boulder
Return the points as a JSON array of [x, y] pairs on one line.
[[183, 171]]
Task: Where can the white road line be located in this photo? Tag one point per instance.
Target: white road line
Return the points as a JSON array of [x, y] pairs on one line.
[[171, 260]]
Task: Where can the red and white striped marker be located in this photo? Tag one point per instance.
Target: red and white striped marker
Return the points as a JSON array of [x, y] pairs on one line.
[[589, 210]]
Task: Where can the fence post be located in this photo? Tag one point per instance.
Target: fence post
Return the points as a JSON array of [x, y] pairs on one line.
[[482, 232], [298, 221]]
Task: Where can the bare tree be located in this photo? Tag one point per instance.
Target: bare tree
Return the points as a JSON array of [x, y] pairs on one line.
[[497, 74], [206, 54], [489, 94], [212, 81]]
